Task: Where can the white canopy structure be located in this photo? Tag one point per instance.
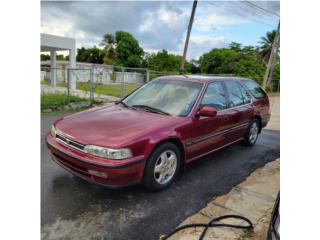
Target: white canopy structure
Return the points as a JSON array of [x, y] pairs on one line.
[[52, 43]]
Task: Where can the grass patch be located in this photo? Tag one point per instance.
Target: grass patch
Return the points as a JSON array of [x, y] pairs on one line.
[[108, 89], [59, 99], [247, 234], [45, 82], [104, 89], [274, 94]]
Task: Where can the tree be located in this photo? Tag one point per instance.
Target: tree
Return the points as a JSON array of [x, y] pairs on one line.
[[44, 57], [122, 49], [219, 61], [235, 46], [194, 66], [250, 67], [128, 51], [163, 61], [108, 42], [236, 60], [266, 45], [276, 78], [60, 57], [90, 55], [276, 72]]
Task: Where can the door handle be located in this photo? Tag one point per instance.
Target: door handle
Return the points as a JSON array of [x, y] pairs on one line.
[[225, 118]]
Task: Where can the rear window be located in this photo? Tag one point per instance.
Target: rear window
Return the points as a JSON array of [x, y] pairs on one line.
[[255, 89]]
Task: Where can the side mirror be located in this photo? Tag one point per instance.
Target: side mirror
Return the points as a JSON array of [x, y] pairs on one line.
[[207, 112]]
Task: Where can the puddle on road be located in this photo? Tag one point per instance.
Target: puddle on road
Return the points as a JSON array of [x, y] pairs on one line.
[[90, 225]]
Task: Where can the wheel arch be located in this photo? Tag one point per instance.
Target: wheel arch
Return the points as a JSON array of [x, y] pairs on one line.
[[175, 141], [258, 117]]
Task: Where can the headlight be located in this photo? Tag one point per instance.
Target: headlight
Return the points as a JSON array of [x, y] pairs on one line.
[[53, 131], [108, 152]]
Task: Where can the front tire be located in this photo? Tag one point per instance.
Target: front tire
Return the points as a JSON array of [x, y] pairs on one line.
[[162, 167], [252, 133]]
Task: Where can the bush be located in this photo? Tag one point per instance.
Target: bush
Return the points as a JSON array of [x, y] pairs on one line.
[[50, 99]]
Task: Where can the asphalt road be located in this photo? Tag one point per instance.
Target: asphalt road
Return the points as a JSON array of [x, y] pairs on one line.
[[74, 209]]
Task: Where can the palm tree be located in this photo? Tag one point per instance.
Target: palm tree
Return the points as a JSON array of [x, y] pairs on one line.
[[266, 45], [109, 42]]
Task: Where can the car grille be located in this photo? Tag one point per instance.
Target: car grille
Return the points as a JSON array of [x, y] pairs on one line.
[[69, 142]]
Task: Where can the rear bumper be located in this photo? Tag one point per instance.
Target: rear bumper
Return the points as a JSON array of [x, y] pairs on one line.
[[265, 119], [110, 173]]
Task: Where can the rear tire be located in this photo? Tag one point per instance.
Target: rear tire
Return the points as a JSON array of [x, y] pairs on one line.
[[252, 134], [162, 167]]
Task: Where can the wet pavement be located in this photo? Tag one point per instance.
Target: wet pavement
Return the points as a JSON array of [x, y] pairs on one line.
[[71, 208]]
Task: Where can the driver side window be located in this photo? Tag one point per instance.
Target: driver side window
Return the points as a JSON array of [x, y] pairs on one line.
[[214, 96]]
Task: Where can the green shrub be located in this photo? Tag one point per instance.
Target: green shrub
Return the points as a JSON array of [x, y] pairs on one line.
[[59, 99]]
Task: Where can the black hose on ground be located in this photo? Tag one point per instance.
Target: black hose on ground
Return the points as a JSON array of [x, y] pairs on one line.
[[213, 224]]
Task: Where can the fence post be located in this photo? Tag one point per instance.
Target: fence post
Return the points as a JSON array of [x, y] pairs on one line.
[[68, 85], [148, 75], [122, 82], [91, 83]]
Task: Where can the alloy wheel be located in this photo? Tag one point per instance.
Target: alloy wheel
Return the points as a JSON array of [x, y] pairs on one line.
[[165, 167], [253, 134]]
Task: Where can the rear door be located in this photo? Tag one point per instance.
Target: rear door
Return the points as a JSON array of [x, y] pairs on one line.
[[240, 110]]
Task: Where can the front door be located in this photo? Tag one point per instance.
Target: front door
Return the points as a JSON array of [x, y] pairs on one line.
[[207, 133]]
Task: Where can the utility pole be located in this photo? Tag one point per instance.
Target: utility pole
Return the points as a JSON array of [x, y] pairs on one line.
[[272, 59], [195, 2]]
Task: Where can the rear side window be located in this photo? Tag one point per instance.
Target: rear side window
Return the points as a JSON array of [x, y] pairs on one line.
[[255, 89], [237, 94], [245, 95]]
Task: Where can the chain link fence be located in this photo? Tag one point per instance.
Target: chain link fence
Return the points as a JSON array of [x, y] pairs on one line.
[[95, 81], [104, 82]]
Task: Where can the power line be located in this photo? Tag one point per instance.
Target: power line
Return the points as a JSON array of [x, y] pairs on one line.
[[262, 9], [249, 8], [236, 13], [256, 16]]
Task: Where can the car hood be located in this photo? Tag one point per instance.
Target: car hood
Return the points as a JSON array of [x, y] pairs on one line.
[[112, 125]]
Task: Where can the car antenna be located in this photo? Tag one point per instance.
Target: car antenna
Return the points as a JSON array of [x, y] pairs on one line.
[[186, 76]]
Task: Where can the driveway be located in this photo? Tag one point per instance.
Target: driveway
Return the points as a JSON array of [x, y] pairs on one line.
[[74, 209], [274, 123]]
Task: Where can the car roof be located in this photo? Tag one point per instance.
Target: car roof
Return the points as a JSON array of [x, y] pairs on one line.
[[201, 78]]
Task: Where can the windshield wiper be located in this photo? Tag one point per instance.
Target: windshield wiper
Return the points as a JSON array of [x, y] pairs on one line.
[[123, 103], [151, 109]]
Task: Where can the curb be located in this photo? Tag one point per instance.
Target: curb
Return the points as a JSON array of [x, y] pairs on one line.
[[253, 198]]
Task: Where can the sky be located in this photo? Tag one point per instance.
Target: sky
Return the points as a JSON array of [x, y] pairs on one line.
[[161, 25]]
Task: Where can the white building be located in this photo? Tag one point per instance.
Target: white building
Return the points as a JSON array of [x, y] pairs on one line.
[[80, 72], [52, 44]]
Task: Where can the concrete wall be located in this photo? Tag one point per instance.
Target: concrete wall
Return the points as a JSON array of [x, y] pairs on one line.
[[102, 74], [130, 77]]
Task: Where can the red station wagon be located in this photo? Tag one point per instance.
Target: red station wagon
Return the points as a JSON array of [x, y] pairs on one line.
[[150, 134]]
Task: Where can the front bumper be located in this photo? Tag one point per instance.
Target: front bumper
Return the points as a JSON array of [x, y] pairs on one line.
[[108, 172]]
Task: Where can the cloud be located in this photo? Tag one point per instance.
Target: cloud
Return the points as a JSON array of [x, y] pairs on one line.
[[163, 27], [155, 24], [201, 44]]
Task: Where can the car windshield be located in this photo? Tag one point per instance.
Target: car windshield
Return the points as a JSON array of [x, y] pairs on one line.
[[172, 97]]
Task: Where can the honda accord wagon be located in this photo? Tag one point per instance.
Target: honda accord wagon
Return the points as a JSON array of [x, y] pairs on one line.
[[150, 134]]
